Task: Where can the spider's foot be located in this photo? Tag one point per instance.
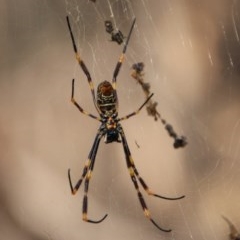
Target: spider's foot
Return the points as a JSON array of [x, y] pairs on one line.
[[147, 214], [92, 221], [75, 189], [168, 198], [162, 229]]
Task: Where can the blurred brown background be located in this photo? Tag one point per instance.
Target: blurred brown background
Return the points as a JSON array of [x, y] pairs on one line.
[[191, 51]]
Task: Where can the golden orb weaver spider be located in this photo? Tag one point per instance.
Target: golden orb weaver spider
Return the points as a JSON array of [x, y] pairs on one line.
[[106, 103]]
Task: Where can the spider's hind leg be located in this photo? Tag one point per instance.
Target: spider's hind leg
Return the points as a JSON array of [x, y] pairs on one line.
[[143, 203], [131, 163], [149, 192], [85, 201], [133, 173], [86, 176]]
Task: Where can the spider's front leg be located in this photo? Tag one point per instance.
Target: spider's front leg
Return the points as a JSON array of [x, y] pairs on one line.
[[82, 64], [121, 58], [86, 176]]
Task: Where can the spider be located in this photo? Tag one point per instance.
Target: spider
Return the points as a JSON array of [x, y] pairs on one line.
[[106, 103]]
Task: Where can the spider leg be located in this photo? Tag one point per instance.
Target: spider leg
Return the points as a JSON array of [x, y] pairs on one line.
[[91, 157], [79, 107], [87, 173], [121, 58], [82, 64], [132, 173], [137, 111], [85, 199], [140, 179]]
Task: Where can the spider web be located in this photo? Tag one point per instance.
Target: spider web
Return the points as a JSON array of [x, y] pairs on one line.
[[191, 55]]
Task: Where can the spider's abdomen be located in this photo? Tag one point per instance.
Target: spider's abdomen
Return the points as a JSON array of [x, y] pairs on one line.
[[106, 98], [112, 135]]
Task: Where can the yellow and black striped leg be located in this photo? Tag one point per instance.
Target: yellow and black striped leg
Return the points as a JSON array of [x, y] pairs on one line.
[[137, 111], [121, 59], [82, 64], [140, 179], [87, 172], [91, 156], [79, 107], [87, 180], [149, 192], [143, 203], [134, 180], [85, 198]]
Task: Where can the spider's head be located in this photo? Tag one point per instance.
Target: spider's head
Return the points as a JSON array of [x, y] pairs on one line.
[[106, 98]]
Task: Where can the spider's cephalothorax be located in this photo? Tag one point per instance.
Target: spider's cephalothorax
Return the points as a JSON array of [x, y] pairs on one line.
[[111, 127], [106, 103], [106, 99]]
